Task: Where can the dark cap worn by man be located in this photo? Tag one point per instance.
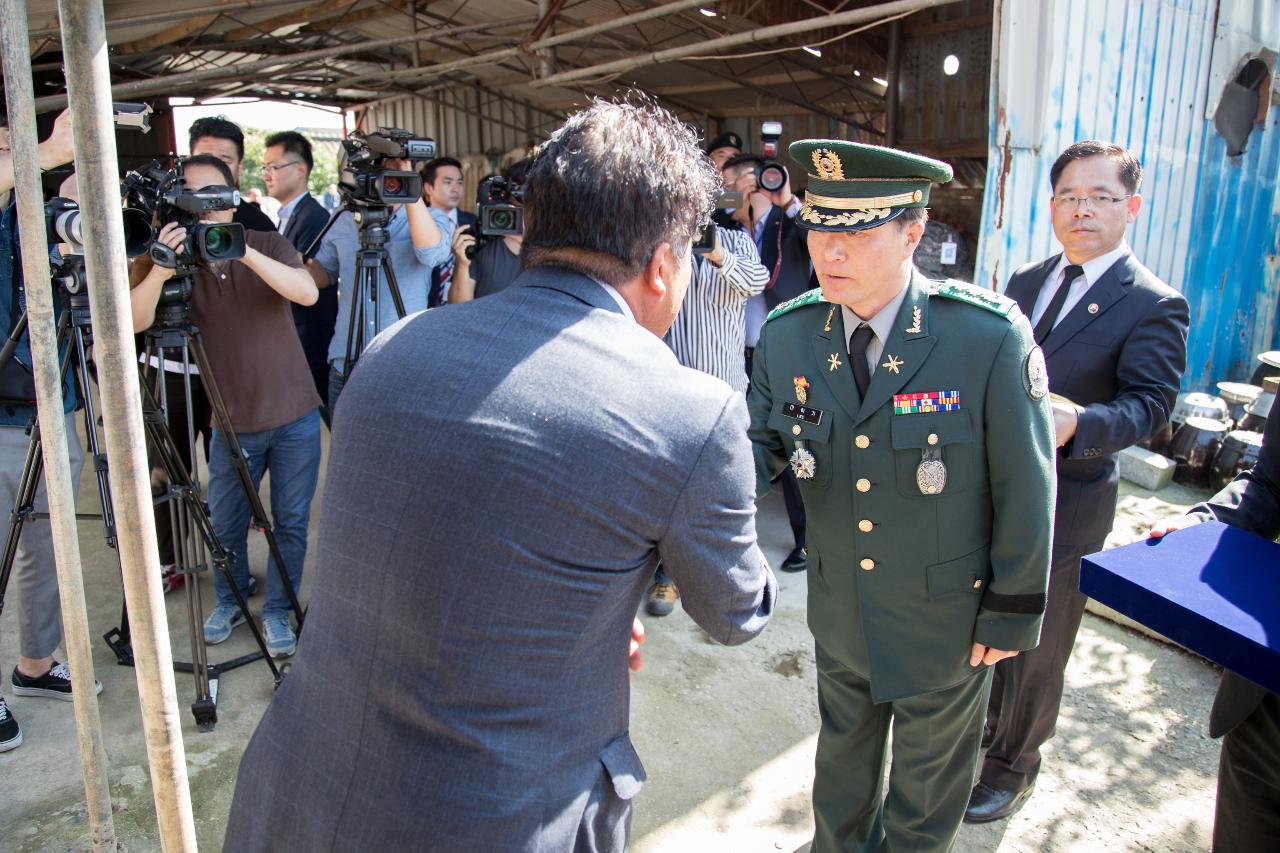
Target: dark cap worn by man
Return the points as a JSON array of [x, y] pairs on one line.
[[915, 416], [505, 475]]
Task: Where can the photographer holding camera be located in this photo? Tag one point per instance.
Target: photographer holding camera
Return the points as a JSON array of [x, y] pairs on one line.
[[418, 240], [35, 580], [770, 220], [243, 308], [495, 264]]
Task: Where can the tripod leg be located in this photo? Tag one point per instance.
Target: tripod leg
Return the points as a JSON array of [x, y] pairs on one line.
[[235, 454], [23, 507], [91, 434], [392, 284]]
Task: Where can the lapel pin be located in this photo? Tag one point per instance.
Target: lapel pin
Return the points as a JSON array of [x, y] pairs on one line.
[[830, 314], [802, 386], [915, 321], [1093, 308], [893, 364], [834, 362]]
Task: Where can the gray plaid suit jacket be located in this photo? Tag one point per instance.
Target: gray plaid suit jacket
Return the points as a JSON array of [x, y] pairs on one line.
[[504, 476]]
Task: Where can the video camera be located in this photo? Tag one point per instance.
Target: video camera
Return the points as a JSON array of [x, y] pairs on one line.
[[163, 194], [773, 175], [706, 241], [364, 180], [63, 225], [500, 211]]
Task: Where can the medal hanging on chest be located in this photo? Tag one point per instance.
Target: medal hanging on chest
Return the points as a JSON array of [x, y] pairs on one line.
[[803, 465], [931, 475]]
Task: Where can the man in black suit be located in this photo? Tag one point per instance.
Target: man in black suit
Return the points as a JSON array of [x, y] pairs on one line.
[[442, 189], [223, 139], [1115, 340], [1245, 715], [286, 167], [770, 219]]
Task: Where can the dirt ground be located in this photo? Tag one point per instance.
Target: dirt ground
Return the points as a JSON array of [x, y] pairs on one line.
[[727, 735]]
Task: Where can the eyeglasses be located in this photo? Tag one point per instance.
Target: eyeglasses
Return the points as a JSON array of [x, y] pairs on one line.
[[273, 168], [1093, 201]]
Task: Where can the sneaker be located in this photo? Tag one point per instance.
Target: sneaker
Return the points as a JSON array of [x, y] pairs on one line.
[[281, 641], [221, 622], [10, 734], [171, 578], [54, 684], [662, 599]]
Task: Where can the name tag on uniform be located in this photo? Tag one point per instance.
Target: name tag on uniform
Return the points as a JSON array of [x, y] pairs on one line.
[[926, 401], [802, 413]]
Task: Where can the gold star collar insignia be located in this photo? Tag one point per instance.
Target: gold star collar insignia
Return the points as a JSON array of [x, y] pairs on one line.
[[893, 364], [834, 362]]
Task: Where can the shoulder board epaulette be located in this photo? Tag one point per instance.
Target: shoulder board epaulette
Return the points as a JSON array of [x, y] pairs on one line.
[[809, 297], [988, 299]]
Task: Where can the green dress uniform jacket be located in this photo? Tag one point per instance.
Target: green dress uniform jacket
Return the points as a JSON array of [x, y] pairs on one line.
[[902, 583]]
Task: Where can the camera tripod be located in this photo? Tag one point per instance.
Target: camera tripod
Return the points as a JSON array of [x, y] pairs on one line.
[[196, 545], [370, 261], [74, 339]]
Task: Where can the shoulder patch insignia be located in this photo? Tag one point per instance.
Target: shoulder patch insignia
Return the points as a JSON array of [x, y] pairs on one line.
[[1036, 374], [809, 297], [988, 299]]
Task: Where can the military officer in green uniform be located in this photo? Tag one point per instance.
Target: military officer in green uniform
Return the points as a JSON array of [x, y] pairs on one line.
[[915, 416]]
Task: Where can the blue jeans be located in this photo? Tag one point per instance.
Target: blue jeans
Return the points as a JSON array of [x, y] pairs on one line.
[[291, 453]]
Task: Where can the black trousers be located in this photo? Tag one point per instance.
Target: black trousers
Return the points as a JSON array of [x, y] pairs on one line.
[[201, 415], [1248, 812], [1026, 690]]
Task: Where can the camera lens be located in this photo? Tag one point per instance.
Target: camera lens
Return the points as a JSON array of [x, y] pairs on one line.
[[217, 241], [391, 185], [772, 178], [503, 219]]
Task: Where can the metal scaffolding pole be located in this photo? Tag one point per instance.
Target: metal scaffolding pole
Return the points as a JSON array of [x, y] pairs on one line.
[[23, 142], [762, 34], [84, 41]]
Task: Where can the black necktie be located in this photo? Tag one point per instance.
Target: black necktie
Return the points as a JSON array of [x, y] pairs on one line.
[[1050, 316], [858, 357]]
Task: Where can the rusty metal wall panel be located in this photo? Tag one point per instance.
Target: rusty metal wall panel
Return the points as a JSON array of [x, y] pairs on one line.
[[1138, 73]]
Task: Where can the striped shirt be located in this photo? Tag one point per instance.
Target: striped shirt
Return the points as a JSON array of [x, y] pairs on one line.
[[709, 333]]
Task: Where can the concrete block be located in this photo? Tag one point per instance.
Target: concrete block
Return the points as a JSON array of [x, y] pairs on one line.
[[1149, 470]]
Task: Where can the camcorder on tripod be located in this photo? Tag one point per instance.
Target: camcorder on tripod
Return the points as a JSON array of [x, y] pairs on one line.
[[368, 190], [159, 194]]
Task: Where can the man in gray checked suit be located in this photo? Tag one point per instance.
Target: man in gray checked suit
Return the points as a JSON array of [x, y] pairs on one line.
[[505, 475]]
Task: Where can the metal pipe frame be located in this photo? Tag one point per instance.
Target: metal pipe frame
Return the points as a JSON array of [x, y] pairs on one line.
[[47, 372], [84, 40]]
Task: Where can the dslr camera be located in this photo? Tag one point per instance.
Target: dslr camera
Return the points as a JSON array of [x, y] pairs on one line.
[[164, 194], [365, 180], [773, 175], [706, 241]]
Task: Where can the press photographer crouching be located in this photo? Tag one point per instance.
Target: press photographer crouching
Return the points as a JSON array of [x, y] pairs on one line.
[[489, 260], [242, 307]]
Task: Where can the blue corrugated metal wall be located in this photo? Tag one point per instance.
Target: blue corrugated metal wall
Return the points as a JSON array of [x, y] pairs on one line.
[[1232, 272], [1137, 72]]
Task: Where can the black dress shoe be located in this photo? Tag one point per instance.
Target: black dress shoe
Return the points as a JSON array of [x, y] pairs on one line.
[[987, 803], [797, 561]]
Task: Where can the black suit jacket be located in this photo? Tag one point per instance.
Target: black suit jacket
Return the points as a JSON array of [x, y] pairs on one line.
[[1122, 361], [315, 323], [783, 236], [1250, 502], [436, 296]]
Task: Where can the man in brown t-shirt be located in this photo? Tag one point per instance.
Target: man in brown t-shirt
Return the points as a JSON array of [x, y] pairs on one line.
[[242, 309]]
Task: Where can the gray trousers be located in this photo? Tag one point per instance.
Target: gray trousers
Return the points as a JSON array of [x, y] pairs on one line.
[[33, 586]]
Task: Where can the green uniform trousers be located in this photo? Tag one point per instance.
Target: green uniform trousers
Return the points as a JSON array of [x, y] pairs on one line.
[[936, 738]]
